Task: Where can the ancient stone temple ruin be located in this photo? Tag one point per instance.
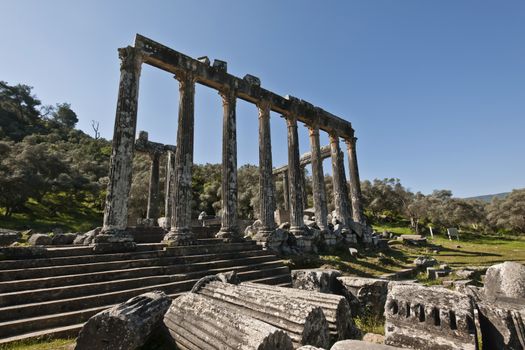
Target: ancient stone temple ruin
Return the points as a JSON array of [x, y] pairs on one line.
[[188, 72]]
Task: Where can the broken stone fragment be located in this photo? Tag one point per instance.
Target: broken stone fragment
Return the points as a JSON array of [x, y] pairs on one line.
[[204, 59], [361, 345], [9, 237], [425, 261], [505, 279], [365, 295], [253, 80], [63, 238], [124, 326], [39, 239], [220, 65], [318, 280]]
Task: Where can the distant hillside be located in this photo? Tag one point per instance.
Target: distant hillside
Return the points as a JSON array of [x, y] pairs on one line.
[[488, 197]]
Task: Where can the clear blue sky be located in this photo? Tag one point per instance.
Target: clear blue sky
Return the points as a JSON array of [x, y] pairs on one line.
[[435, 89]]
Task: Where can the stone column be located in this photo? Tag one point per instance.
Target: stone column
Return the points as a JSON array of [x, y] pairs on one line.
[[154, 189], [229, 228], [170, 180], [303, 188], [180, 232], [294, 173], [121, 162], [286, 190], [266, 186], [355, 184], [319, 188], [339, 183]]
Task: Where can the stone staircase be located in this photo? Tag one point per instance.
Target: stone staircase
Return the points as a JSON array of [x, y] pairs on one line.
[[55, 295]]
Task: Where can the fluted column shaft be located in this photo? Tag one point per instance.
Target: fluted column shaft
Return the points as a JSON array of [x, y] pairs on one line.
[[180, 232], [294, 173], [355, 184], [229, 227], [339, 182], [154, 189], [266, 186], [121, 161], [170, 180], [303, 188], [286, 190], [319, 188]]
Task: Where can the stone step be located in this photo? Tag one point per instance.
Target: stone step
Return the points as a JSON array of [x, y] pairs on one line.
[[65, 318], [52, 333], [164, 275], [211, 248], [55, 252], [28, 309], [94, 258], [48, 271], [113, 275]]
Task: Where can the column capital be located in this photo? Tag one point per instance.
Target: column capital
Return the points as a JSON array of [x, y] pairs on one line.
[[264, 107], [350, 142], [228, 95], [291, 120], [185, 77], [334, 138], [313, 129], [130, 58]]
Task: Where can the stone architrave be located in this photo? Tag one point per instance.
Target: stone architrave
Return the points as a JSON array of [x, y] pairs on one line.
[[339, 183], [121, 161], [229, 226], [266, 186], [319, 188], [355, 184], [294, 173], [180, 232], [154, 188]]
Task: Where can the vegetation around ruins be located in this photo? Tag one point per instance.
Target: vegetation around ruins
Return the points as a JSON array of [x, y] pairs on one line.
[[54, 176]]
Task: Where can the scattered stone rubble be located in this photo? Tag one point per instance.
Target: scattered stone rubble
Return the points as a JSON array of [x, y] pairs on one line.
[[319, 280]]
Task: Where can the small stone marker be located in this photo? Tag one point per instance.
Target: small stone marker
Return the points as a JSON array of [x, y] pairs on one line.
[[452, 233]]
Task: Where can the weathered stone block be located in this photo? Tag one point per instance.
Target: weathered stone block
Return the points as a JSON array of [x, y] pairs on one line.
[[8, 238], [502, 323], [361, 345], [365, 295], [318, 280], [124, 326], [63, 238], [432, 318], [164, 222], [506, 279], [425, 261], [40, 239]]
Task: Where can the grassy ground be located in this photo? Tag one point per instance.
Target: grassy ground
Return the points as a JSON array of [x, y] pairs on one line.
[[40, 218], [472, 250], [56, 344]]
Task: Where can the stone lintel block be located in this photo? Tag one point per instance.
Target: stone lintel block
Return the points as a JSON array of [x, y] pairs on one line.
[[220, 65], [253, 80], [204, 59]]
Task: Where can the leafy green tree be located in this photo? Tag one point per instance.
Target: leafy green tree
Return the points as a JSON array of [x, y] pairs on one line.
[[508, 213]]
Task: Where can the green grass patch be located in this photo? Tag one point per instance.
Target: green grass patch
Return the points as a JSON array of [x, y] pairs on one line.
[[370, 324], [35, 344]]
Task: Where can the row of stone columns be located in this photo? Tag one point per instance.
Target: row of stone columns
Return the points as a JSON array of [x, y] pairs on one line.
[[115, 214]]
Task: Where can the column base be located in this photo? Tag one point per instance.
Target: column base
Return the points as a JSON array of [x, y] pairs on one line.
[[230, 235], [179, 238], [113, 241]]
